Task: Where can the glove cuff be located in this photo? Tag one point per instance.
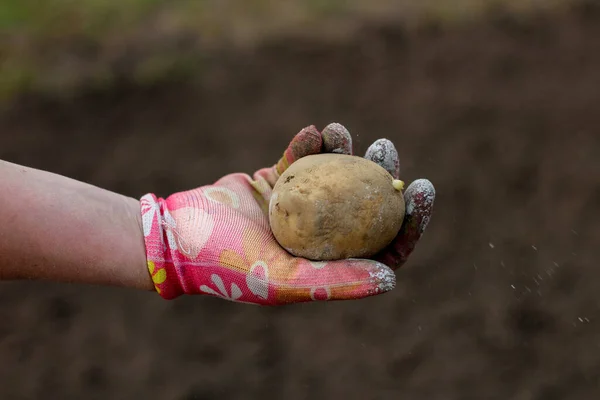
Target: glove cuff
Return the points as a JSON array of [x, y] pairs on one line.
[[158, 255]]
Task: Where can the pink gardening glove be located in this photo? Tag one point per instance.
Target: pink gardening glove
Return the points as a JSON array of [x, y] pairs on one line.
[[216, 240]]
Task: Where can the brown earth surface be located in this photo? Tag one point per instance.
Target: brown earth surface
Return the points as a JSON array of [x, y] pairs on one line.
[[501, 299]]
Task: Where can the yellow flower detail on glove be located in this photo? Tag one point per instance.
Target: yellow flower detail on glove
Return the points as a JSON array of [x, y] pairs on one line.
[[158, 276]]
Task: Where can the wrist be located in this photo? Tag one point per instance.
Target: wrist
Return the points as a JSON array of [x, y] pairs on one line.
[[142, 277], [159, 261]]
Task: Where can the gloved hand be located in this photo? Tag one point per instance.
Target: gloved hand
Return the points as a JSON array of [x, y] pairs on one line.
[[216, 239]]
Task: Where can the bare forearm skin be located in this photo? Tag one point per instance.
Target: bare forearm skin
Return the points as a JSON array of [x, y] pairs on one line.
[[59, 229]]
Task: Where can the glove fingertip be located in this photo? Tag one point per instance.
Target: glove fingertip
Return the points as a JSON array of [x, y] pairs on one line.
[[337, 139], [384, 153], [419, 198], [306, 142], [383, 278], [373, 277]]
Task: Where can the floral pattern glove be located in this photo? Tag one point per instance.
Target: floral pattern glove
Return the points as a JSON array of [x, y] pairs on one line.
[[216, 239]]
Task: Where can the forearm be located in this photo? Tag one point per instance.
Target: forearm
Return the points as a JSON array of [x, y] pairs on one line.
[[59, 229]]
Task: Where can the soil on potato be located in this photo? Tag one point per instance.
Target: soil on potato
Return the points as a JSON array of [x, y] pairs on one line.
[[499, 301]]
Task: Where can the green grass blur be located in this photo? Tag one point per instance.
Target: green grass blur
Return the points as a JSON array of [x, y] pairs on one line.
[[60, 45]]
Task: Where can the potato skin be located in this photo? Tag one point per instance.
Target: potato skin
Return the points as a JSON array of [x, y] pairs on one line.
[[335, 206]]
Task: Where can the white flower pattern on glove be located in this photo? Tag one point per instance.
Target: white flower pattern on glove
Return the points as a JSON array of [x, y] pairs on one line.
[[235, 294]]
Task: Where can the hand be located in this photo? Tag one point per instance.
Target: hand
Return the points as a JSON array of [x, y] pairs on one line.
[[216, 240]]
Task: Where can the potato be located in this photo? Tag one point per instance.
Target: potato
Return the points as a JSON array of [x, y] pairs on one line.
[[336, 206]]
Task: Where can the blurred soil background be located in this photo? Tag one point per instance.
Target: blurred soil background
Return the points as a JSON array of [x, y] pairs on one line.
[[497, 103]]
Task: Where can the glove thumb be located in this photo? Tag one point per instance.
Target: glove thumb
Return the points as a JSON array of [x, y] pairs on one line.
[[348, 279]]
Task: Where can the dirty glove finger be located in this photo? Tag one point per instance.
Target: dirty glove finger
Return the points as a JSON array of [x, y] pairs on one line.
[[336, 139], [384, 153], [419, 198], [348, 279], [306, 142]]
